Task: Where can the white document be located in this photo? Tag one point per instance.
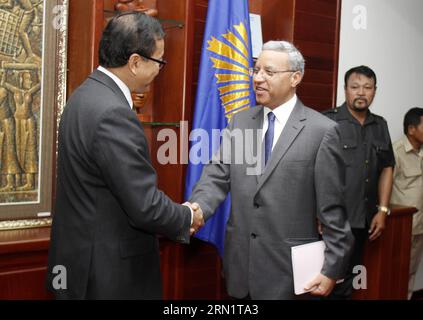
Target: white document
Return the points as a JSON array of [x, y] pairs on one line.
[[307, 262], [256, 34]]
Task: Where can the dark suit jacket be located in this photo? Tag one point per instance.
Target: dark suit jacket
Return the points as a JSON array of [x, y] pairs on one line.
[[277, 209], [108, 208]]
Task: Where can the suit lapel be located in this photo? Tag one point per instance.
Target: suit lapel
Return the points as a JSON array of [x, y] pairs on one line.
[[292, 129]]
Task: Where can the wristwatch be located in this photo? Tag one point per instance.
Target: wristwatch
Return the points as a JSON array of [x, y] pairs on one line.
[[384, 209]]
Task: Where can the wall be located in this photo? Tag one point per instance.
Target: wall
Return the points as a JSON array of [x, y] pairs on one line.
[[391, 44]]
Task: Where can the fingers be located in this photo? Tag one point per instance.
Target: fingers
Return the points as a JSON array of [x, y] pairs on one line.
[[377, 226], [321, 286], [377, 232], [313, 285], [372, 226], [198, 218], [320, 291]]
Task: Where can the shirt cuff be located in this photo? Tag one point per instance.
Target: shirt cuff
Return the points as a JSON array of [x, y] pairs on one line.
[[186, 204]]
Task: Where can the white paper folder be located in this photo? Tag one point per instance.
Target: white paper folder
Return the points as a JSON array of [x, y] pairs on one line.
[[307, 262]]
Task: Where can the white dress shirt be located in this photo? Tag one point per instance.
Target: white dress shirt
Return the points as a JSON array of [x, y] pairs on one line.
[[122, 86], [282, 114]]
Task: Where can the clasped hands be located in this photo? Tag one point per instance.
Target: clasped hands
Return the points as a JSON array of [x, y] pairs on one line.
[[197, 219]]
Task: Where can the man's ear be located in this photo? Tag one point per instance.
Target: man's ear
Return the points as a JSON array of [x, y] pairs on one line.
[[296, 79], [133, 62]]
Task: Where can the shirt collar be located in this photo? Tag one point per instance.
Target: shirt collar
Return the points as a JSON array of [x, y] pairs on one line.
[[408, 147], [345, 114], [283, 109], [122, 86]]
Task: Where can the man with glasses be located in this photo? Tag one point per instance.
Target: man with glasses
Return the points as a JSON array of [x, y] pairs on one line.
[[369, 160], [299, 181], [108, 208]]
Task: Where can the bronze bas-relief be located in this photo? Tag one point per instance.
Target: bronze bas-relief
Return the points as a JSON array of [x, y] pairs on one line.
[[21, 45]]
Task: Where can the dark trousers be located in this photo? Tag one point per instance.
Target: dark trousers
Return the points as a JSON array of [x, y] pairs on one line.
[[343, 291]]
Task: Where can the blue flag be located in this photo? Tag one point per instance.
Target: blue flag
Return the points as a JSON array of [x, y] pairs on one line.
[[224, 88]]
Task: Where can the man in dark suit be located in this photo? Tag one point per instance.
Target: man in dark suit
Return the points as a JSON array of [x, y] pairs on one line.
[[108, 208], [301, 180]]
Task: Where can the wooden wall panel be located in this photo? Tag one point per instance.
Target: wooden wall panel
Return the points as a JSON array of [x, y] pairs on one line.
[[203, 264], [314, 27], [318, 76], [25, 284], [23, 264], [387, 259], [171, 266], [317, 7], [314, 90], [170, 176], [85, 26], [316, 34], [277, 18], [316, 103], [318, 55], [169, 84]]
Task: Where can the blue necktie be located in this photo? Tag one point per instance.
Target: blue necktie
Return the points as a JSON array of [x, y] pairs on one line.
[[268, 138]]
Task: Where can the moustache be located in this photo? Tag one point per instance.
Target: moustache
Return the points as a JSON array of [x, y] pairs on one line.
[[360, 99]]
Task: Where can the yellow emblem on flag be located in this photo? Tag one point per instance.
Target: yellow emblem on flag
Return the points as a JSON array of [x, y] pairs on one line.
[[231, 69]]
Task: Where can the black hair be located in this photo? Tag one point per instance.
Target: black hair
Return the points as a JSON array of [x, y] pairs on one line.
[[412, 118], [364, 70], [127, 33]]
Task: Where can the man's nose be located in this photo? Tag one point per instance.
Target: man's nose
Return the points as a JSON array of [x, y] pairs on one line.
[[258, 77]]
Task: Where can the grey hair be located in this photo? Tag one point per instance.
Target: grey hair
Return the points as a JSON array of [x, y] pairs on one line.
[[296, 59]]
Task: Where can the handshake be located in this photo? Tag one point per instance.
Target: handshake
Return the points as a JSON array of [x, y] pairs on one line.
[[197, 218]]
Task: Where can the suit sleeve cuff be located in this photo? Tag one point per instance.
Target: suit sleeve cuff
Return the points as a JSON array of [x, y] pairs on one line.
[[190, 209]]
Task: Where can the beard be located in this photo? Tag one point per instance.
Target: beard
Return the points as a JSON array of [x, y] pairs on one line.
[[360, 108]]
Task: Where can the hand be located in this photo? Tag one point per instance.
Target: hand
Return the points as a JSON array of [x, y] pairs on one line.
[[321, 286], [198, 218], [377, 226]]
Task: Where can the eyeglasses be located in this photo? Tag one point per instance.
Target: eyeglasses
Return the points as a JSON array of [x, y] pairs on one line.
[[160, 62], [267, 72]]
